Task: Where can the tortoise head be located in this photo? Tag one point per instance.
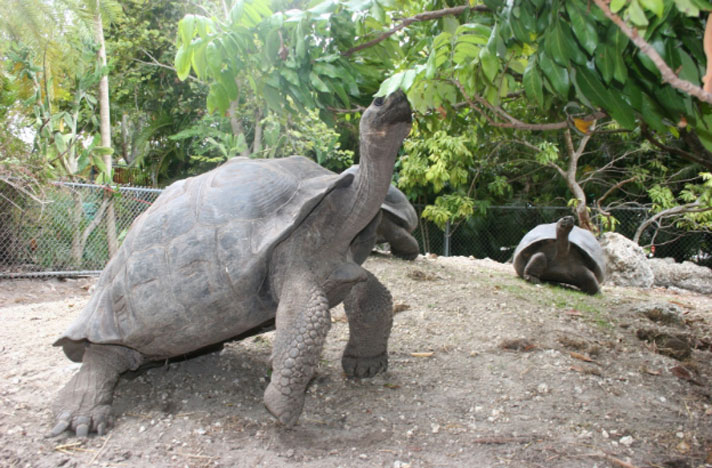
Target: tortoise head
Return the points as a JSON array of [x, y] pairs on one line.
[[565, 224], [387, 118]]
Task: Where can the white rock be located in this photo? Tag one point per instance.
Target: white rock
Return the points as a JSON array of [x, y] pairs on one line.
[[626, 440]]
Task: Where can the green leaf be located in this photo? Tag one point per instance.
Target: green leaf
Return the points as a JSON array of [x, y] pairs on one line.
[[688, 7], [472, 32], [583, 28], [533, 85], [185, 29], [182, 62], [464, 53], [619, 42], [518, 30], [656, 6], [217, 99], [616, 5], [391, 85], [591, 87], [60, 142], [317, 83], [572, 47], [450, 24], [490, 64], [689, 70], [637, 15], [606, 62], [199, 60], [555, 45], [103, 150], [273, 98], [227, 79], [557, 76]]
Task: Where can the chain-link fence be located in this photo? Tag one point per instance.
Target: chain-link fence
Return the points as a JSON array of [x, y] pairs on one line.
[[64, 231], [496, 234]]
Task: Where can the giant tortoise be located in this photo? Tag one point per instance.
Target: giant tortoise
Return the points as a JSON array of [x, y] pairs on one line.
[[222, 253], [561, 253]]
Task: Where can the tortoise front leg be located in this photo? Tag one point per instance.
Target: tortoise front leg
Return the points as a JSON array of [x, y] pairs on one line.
[[535, 268], [302, 323], [403, 244], [369, 308], [84, 404]]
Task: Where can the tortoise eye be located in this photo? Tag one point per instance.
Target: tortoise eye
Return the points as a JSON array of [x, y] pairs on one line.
[[378, 101]]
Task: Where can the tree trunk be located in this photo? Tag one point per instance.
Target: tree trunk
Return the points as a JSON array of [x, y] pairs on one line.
[[569, 175], [257, 141], [105, 126]]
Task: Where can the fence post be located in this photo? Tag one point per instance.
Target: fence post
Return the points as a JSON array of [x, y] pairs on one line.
[[446, 242]]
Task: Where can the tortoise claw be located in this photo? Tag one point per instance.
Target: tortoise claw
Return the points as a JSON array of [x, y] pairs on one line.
[[82, 430], [60, 427]]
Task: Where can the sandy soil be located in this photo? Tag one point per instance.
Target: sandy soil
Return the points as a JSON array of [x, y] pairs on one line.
[[485, 370]]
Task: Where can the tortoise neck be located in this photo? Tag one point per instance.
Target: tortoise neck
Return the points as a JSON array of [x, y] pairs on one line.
[[370, 184]]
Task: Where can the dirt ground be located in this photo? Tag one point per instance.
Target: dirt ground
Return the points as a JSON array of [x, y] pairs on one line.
[[485, 370]]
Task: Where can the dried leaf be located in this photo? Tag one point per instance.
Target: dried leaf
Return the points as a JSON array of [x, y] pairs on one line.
[[581, 357], [400, 308], [518, 344], [574, 313], [681, 373]]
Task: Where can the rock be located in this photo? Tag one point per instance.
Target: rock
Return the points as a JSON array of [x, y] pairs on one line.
[[685, 275], [663, 313], [626, 264]]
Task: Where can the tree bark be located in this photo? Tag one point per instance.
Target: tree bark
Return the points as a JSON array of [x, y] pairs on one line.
[[105, 126], [569, 176]]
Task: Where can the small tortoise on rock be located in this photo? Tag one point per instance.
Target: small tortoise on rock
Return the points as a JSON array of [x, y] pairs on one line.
[[561, 253], [220, 254], [398, 220]]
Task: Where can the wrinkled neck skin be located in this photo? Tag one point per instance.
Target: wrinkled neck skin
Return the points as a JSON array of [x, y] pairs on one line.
[[321, 243], [562, 241]]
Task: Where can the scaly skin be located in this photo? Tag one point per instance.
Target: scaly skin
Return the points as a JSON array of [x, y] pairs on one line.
[[302, 323], [369, 308], [84, 404]]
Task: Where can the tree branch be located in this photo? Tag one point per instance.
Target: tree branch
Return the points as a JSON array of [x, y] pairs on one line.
[[692, 157], [610, 191], [512, 122], [707, 79], [427, 16], [693, 207], [666, 72], [155, 63]]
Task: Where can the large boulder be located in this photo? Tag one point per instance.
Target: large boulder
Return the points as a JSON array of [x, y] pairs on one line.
[[685, 275], [626, 262]]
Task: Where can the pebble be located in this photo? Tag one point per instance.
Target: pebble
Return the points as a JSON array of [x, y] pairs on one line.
[[626, 440]]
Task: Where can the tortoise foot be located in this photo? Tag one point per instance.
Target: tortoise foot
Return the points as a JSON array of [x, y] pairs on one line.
[[285, 407], [82, 421], [364, 367], [84, 404]]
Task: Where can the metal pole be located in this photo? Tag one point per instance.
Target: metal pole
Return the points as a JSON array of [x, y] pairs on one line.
[[446, 247]]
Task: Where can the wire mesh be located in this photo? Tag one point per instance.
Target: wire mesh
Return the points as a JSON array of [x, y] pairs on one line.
[[496, 234], [64, 232]]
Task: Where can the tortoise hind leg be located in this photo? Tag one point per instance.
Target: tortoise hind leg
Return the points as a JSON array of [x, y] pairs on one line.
[[586, 281], [535, 268], [84, 404], [369, 308]]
